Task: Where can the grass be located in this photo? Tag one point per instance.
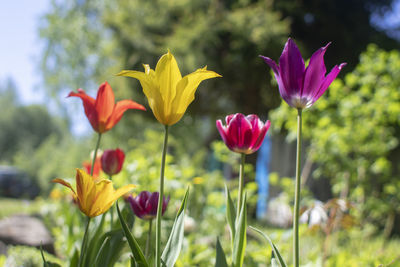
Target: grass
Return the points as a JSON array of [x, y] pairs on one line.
[[12, 206]]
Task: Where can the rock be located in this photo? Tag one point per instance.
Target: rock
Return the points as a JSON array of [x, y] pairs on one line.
[[26, 230]]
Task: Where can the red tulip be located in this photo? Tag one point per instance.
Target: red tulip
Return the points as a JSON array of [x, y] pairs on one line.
[[243, 134], [112, 160], [87, 166], [102, 112]]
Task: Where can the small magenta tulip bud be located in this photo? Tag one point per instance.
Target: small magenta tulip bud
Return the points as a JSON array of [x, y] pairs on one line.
[[112, 160], [243, 134], [145, 204]]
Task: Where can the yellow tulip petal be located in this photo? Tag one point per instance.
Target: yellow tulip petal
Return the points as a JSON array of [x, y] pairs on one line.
[[186, 88], [103, 192], [85, 187], [168, 76], [120, 192], [61, 181]]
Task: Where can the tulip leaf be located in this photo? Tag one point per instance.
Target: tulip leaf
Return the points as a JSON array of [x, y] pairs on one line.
[[274, 248], [220, 261], [230, 213], [112, 242], [75, 258], [94, 243], [133, 244], [239, 243], [47, 263], [175, 240]]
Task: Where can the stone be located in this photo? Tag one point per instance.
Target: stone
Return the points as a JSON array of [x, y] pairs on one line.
[[26, 230]]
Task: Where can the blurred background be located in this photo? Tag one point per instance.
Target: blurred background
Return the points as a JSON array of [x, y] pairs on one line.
[[351, 175]]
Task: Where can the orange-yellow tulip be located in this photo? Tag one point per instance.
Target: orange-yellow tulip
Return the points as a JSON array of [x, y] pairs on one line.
[[94, 197], [168, 93]]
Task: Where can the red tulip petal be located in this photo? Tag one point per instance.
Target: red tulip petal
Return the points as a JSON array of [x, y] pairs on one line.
[[119, 110], [89, 106], [105, 102], [223, 131]]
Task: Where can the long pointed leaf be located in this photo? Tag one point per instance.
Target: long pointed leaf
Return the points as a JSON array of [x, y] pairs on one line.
[[135, 248], [175, 240], [274, 248], [239, 244], [230, 213], [220, 261]]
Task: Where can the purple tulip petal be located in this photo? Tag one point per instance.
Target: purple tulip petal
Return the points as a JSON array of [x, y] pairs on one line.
[[271, 63], [237, 130], [152, 204], [314, 74], [327, 81], [292, 69]]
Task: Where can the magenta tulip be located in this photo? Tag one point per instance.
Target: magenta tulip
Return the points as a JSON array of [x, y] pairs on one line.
[[243, 134], [112, 160], [145, 205], [300, 87]]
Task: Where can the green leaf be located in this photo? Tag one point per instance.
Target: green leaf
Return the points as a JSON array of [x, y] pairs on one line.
[[175, 240], [75, 258], [230, 213], [94, 243], [274, 248], [133, 244], [221, 258], [47, 263], [239, 243]]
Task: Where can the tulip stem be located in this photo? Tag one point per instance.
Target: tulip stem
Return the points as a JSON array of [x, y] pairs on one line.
[[296, 259], [241, 185], [84, 244], [111, 211], [95, 154], [148, 241], [160, 200]]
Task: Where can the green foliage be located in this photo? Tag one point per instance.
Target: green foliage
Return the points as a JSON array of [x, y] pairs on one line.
[[227, 36], [28, 257], [353, 132], [10, 206]]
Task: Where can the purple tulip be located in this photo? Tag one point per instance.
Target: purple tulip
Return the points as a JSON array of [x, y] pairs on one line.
[[243, 134], [145, 204], [300, 87]]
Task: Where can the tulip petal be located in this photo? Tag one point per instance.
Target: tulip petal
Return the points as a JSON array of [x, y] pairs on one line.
[[186, 89], [64, 183], [89, 107], [119, 110], [327, 81], [271, 63], [120, 192], [86, 191], [292, 68], [256, 145], [101, 200], [237, 130], [315, 73], [150, 87], [168, 75], [223, 131], [104, 105]]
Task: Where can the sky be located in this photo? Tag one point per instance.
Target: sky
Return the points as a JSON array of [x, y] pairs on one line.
[[20, 46]]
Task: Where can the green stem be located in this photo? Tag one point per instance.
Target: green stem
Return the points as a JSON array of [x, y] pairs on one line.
[[84, 244], [95, 154], [296, 258], [148, 241], [111, 211], [160, 200], [241, 185]]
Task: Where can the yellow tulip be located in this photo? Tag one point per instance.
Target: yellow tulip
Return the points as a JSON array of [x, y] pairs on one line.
[[94, 197], [167, 92]]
